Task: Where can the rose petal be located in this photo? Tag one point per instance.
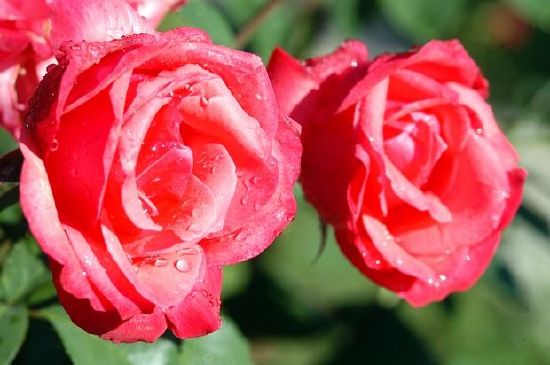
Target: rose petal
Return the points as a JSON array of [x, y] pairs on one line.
[[199, 313], [93, 21], [256, 231], [462, 272], [38, 205], [142, 327], [161, 279]]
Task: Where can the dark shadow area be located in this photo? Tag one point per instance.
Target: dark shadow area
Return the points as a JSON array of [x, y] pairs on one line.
[[377, 336], [42, 346]]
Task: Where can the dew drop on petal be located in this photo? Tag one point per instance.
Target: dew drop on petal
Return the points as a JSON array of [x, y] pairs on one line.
[[182, 265], [479, 131], [203, 101], [161, 262], [55, 145], [88, 261], [442, 277]]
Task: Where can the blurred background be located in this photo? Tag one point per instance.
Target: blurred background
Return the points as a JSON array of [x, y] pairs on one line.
[[285, 307]]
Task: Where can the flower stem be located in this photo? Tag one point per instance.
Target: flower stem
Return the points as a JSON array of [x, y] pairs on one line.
[[255, 22]]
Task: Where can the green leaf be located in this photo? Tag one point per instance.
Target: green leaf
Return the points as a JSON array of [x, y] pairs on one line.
[[226, 346], [240, 11], [7, 143], [22, 272], [424, 20], [276, 30], [83, 348], [330, 280], [201, 14], [9, 197], [162, 352], [13, 328], [537, 11], [235, 279]]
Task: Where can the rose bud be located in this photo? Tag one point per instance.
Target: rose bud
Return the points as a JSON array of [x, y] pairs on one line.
[[151, 161], [25, 50], [404, 158]]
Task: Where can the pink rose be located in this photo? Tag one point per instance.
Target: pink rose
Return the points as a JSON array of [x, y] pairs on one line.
[[404, 158], [151, 161], [155, 10], [25, 49], [24, 54]]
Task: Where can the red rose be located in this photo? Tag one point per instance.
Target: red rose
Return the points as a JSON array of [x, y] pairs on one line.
[[150, 162], [24, 54], [25, 49], [404, 158]]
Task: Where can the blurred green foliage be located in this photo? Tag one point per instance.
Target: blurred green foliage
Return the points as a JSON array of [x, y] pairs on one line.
[[293, 309]]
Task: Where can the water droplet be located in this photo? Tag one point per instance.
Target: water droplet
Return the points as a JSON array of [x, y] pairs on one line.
[[259, 97], [244, 200], [88, 261], [204, 101], [23, 71], [187, 251], [55, 145], [442, 277], [468, 258], [430, 281], [353, 63], [399, 262], [182, 265], [376, 262], [171, 94], [479, 131], [160, 262], [255, 180], [84, 273]]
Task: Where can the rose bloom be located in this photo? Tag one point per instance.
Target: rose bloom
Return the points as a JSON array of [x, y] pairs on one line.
[[404, 158], [24, 54], [151, 161], [25, 49]]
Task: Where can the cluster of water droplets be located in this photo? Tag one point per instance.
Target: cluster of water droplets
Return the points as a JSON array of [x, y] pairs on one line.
[[182, 263]]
